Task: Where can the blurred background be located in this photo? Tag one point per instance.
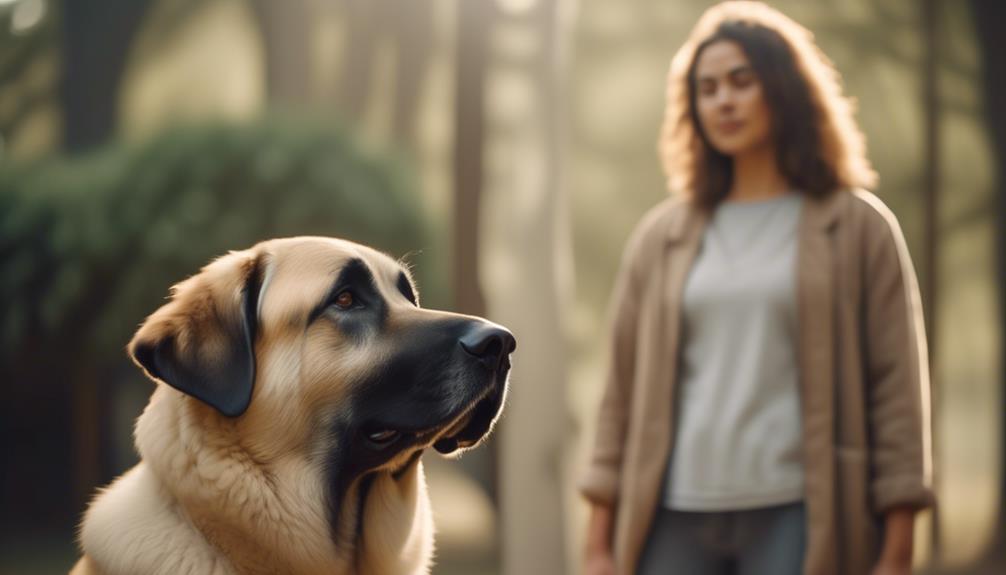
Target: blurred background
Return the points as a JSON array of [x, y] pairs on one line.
[[507, 146]]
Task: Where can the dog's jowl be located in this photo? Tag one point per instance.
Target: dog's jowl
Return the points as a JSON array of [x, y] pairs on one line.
[[298, 384]]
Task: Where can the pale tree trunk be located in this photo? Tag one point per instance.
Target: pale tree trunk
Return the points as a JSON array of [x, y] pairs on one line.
[[475, 21], [286, 36], [474, 25], [526, 275], [407, 27]]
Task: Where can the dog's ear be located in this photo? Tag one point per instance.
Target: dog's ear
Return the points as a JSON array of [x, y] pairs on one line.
[[202, 342]]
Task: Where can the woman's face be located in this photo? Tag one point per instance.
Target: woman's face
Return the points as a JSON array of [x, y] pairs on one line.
[[729, 100]]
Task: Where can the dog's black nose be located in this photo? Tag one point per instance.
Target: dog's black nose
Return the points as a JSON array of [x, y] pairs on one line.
[[490, 344]]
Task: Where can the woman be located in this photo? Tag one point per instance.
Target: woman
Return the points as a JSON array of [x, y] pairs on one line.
[[767, 326]]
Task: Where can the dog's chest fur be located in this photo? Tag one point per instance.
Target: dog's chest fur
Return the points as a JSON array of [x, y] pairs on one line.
[[133, 527], [220, 517]]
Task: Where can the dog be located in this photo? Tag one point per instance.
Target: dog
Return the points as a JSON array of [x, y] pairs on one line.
[[298, 384]]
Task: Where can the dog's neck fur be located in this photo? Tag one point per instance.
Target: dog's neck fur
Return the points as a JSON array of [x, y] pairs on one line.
[[214, 500]]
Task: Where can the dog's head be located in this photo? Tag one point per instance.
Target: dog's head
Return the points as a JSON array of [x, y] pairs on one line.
[[318, 347]]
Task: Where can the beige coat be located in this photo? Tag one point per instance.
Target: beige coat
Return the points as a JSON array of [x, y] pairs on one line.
[[863, 378]]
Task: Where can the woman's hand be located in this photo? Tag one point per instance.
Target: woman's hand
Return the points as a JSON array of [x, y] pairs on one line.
[[598, 559], [892, 567], [599, 563], [896, 555]]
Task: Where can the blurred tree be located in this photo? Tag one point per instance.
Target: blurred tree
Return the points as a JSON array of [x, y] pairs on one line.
[[98, 37], [286, 34], [407, 25], [529, 230], [89, 247], [475, 23], [989, 16], [95, 44], [475, 20], [26, 44]]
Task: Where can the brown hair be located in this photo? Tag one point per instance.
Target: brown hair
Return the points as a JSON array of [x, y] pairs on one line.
[[819, 147]]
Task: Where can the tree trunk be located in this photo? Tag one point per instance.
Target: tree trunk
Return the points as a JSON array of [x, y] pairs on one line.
[[931, 236], [989, 16], [96, 41], [97, 36], [286, 34], [474, 25], [529, 288]]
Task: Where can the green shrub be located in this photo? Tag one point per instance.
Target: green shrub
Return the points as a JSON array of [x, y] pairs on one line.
[[90, 245]]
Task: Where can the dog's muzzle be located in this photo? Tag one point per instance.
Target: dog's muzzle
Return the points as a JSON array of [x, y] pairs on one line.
[[490, 346]]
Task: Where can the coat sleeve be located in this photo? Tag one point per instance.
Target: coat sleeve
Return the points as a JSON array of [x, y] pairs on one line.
[[599, 483], [897, 372]]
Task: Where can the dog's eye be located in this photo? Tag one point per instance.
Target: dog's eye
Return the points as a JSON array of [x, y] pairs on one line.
[[344, 300], [383, 437]]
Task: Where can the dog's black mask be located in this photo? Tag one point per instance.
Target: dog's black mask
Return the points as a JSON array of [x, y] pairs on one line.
[[445, 379]]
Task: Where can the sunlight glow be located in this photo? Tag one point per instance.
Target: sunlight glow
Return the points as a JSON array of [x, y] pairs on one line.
[[27, 14]]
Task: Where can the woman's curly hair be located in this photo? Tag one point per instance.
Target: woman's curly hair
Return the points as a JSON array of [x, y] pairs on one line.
[[819, 147]]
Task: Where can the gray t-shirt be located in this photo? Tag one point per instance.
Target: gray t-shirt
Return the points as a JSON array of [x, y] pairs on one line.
[[737, 442]]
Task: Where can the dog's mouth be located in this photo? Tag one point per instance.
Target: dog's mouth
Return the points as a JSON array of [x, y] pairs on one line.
[[460, 431], [475, 422]]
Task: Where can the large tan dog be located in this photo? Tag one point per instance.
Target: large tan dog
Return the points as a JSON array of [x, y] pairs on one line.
[[299, 383]]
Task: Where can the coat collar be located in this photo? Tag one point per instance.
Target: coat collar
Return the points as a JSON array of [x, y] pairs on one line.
[[685, 223], [821, 213]]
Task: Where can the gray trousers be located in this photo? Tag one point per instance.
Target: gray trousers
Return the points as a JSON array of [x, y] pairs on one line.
[[765, 541]]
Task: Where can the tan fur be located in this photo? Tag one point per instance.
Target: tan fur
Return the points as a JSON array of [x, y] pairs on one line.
[[243, 495]]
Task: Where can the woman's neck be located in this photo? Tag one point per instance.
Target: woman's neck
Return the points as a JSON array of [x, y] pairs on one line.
[[756, 176]]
